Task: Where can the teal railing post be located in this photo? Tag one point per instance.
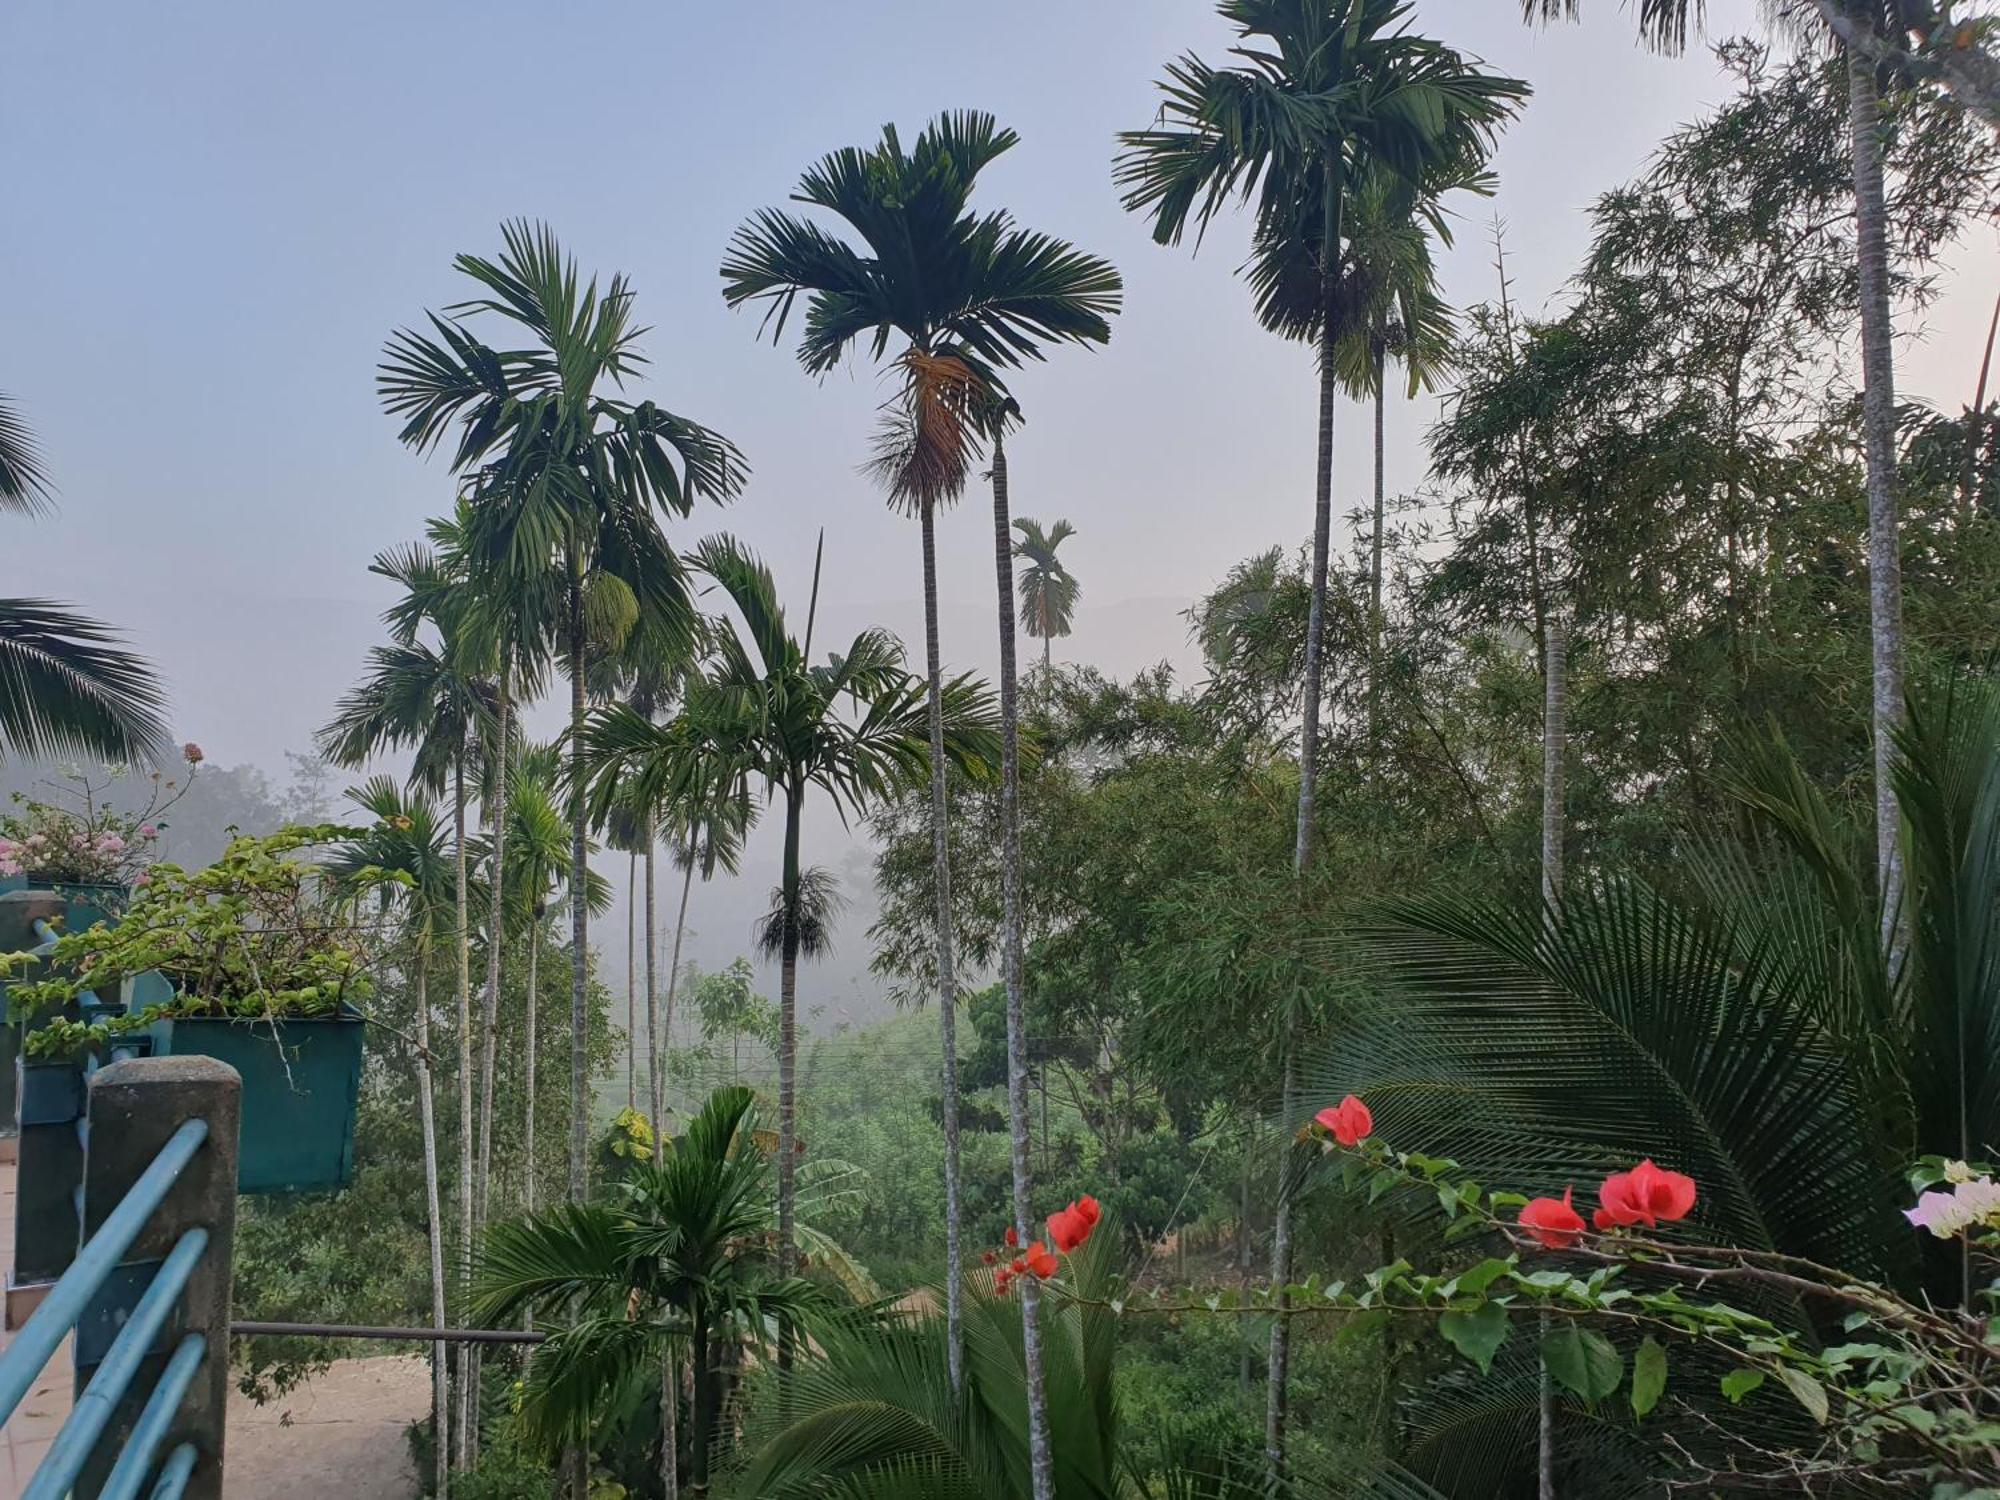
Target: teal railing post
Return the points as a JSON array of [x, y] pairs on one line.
[[135, 1109]]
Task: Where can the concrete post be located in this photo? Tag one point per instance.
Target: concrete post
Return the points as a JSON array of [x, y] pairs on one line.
[[135, 1106]]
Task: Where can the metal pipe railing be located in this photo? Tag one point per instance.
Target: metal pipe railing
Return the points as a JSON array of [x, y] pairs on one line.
[[175, 1472], [92, 1411], [156, 1420], [24, 1359]]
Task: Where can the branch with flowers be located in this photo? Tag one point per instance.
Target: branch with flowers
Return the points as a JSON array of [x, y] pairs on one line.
[[1905, 1397], [76, 837], [260, 934]]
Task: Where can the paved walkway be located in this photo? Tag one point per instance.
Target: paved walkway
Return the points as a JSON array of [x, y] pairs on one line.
[[343, 1436]]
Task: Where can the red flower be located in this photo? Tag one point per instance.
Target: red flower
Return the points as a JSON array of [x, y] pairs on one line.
[[1553, 1221], [1000, 1279], [1071, 1226], [1646, 1195], [1040, 1262], [1349, 1120], [1087, 1206], [1013, 1239], [1019, 1265], [988, 1256]]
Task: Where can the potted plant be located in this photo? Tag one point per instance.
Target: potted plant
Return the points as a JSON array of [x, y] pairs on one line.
[[77, 844], [256, 960]]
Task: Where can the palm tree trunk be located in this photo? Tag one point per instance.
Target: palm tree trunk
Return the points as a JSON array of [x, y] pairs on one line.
[[1278, 1387], [654, 1099], [674, 968], [1375, 569], [954, 1271], [701, 1403], [489, 1020], [468, 1399], [528, 1061], [496, 942], [1555, 749], [1878, 392], [1243, 1269], [788, 1049], [1040, 1460], [632, 979], [434, 1209], [579, 908], [670, 1421]]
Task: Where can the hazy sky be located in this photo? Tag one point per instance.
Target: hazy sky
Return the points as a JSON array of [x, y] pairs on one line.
[[216, 212]]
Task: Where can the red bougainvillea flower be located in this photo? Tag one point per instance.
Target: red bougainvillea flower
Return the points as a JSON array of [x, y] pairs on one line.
[[988, 1256], [1087, 1206], [1553, 1222], [1070, 1227], [1646, 1195], [1000, 1279], [1349, 1120], [1040, 1262], [1018, 1265], [1013, 1239]]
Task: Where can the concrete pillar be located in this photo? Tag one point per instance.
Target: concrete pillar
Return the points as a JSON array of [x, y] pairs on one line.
[[135, 1106]]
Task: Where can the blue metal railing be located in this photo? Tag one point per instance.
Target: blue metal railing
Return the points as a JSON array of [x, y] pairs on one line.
[[70, 1299]]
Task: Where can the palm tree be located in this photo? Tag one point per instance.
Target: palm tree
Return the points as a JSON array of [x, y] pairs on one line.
[[575, 477], [853, 728], [538, 865], [407, 840], [1331, 92], [434, 702], [1866, 31], [675, 1266], [965, 295], [705, 837], [66, 687], [1048, 589]]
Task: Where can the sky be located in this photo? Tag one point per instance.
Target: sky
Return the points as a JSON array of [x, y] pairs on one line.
[[217, 211]]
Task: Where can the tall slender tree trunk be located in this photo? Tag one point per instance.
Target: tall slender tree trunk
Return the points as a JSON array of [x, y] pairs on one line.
[[468, 1398], [954, 1270], [579, 943], [674, 966], [655, 1101], [496, 943], [434, 1208], [632, 979], [528, 1042], [1243, 1269], [1375, 565], [788, 1044], [1878, 402], [1040, 1460], [701, 1402], [1278, 1379], [579, 905], [1555, 753], [489, 1019], [670, 1423]]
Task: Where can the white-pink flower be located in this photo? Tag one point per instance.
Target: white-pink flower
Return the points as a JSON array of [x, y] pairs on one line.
[[148, 831], [1948, 1215]]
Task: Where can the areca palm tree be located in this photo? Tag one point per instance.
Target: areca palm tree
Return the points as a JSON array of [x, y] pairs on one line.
[[963, 295], [706, 837], [1330, 93], [1861, 27], [674, 1266], [853, 728], [407, 840], [66, 686], [1049, 591], [435, 702], [573, 478], [538, 866]]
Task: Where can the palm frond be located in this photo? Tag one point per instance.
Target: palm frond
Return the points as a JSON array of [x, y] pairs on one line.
[[69, 688]]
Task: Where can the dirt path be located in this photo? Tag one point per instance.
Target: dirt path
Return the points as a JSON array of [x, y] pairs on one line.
[[342, 1436]]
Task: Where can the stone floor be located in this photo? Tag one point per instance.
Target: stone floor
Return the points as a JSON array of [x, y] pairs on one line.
[[339, 1437]]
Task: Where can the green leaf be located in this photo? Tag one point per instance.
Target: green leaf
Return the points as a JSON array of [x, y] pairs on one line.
[[1583, 1362], [1739, 1383], [1476, 1279], [1811, 1394], [1477, 1334], [1649, 1376]]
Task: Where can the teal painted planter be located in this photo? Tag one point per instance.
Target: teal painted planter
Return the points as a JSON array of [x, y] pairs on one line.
[[300, 1083], [86, 903]]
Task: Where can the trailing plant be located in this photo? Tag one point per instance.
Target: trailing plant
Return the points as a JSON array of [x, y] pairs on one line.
[[261, 934]]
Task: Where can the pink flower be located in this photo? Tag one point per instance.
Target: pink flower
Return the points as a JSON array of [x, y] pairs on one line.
[[1949, 1214], [148, 831], [144, 877], [1553, 1221], [1349, 1120], [1646, 1195], [191, 753]]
